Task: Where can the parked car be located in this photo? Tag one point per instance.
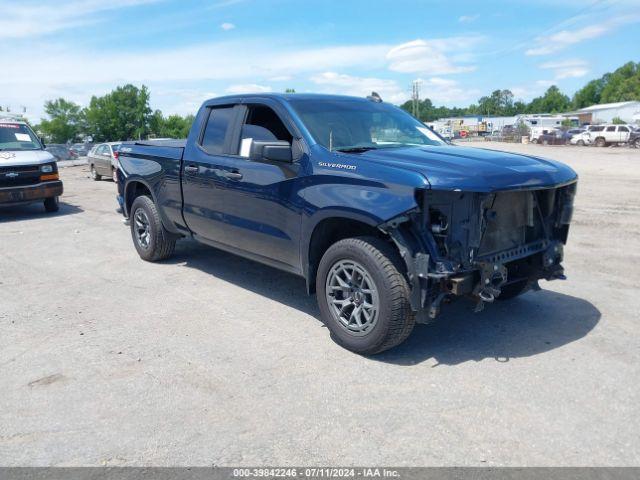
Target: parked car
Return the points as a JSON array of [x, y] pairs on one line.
[[82, 149], [382, 218], [554, 136], [634, 139], [603, 135], [103, 160], [28, 173], [61, 152]]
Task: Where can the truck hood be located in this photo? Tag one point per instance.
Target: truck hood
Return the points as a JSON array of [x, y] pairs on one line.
[[474, 169], [12, 158]]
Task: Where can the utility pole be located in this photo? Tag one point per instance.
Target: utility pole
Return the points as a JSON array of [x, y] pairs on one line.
[[415, 97]]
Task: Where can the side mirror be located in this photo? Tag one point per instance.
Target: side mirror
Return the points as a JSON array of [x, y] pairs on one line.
[[276, 150]]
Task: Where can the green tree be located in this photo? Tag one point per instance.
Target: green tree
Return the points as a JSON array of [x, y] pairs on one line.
[[500, 102], [553, 101], [290, 90], [622, 85], [122, 114], [65, 123], [173, 126]]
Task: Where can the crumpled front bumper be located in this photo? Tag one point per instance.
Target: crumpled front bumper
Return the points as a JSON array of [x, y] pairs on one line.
[[30, 193]]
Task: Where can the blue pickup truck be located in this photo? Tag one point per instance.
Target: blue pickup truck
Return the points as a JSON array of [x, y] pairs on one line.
[[381, 216]]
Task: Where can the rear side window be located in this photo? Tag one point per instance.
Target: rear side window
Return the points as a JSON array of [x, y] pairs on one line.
[[597, 129], [623, 129], [216, 130], [611, 129]]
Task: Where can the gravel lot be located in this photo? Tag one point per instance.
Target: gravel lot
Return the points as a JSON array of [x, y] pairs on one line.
[[209, 359]]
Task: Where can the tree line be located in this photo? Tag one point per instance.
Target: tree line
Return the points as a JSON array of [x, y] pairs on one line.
[[619, 86], [125, 114]]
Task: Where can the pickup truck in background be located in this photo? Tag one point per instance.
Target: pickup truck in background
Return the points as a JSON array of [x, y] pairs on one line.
[[382, 218], [28, 173]]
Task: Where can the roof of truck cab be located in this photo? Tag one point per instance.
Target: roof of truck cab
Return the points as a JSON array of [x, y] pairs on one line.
[[286, 97]]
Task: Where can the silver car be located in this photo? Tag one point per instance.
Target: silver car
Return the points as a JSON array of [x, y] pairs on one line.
[[103, 160]]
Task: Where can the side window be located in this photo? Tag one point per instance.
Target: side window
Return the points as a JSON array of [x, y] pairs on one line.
[[264, 125], [611, 129], [269, 126], [101, 150], [623, 129], [216, 130]]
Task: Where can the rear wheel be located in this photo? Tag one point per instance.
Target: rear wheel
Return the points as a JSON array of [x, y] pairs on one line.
[[534, 140], [51, 204], [580, 143], [94, 174], [636, 143], [363, 296], [152, 241]]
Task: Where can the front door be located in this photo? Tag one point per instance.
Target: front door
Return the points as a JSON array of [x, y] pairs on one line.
[[262, 208]]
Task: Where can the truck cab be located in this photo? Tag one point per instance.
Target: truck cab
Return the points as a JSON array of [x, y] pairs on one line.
[[28, 173], [381, 216]]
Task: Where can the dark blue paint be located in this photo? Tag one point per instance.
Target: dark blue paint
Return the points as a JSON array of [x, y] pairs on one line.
[[271, 213]]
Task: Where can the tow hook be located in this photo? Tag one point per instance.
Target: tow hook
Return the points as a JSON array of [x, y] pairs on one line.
[[492, 277]]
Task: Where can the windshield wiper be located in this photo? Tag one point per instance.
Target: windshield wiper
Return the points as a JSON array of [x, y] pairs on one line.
[[355, 149]]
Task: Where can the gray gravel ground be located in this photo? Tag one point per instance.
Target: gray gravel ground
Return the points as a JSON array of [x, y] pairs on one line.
[[209, 359]]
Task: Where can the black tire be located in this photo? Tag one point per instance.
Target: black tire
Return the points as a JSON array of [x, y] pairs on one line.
[[600, 142], [160, 243], [580, 143], [394, 319], [94, 174], [636, 143], [512, 290], [534, 140], [51, 204], [545, 142]]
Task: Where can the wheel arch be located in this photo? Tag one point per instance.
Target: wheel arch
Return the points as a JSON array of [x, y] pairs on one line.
[[133, 189], [329, 230]]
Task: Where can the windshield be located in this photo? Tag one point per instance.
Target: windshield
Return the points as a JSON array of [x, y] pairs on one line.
[[353, 124], [17, 136]]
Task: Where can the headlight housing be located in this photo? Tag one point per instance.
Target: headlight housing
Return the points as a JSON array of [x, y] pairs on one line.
[[46, 168]]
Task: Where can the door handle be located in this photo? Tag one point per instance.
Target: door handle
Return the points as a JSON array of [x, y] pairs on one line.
[[233, 175], [191, 169]]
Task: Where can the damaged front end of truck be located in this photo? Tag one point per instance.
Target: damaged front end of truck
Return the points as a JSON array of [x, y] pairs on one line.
[[481, 245]]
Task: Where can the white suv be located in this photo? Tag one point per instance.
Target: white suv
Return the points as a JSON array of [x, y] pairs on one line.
[[603, 135]]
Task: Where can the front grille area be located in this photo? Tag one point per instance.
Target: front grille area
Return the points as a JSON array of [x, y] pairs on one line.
[[19, 176]]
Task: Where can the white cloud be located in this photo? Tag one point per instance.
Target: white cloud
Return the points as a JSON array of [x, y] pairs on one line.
[[430, 56], [574, 68], [248, 88], [333, 82], [31, 19], [227, 26], [468, 18], [555, 42], [444, 90]]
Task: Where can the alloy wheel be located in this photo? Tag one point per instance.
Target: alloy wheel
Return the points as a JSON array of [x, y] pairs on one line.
[[352, 297], [142, 228]]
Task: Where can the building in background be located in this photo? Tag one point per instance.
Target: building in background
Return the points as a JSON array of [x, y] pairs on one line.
[[606, 112]]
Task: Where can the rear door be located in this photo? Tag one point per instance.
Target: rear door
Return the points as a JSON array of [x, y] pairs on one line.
[[203, 176]]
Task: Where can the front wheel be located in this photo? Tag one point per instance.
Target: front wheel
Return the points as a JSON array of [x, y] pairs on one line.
[[152, 241], [580, 143], [363, 296], [51, 204], [636, 143], [601, 142]]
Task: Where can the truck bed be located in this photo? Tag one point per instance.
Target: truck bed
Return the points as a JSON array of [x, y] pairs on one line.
[[171, 149]]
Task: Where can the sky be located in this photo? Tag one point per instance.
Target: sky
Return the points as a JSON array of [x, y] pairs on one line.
[[189, 50]]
